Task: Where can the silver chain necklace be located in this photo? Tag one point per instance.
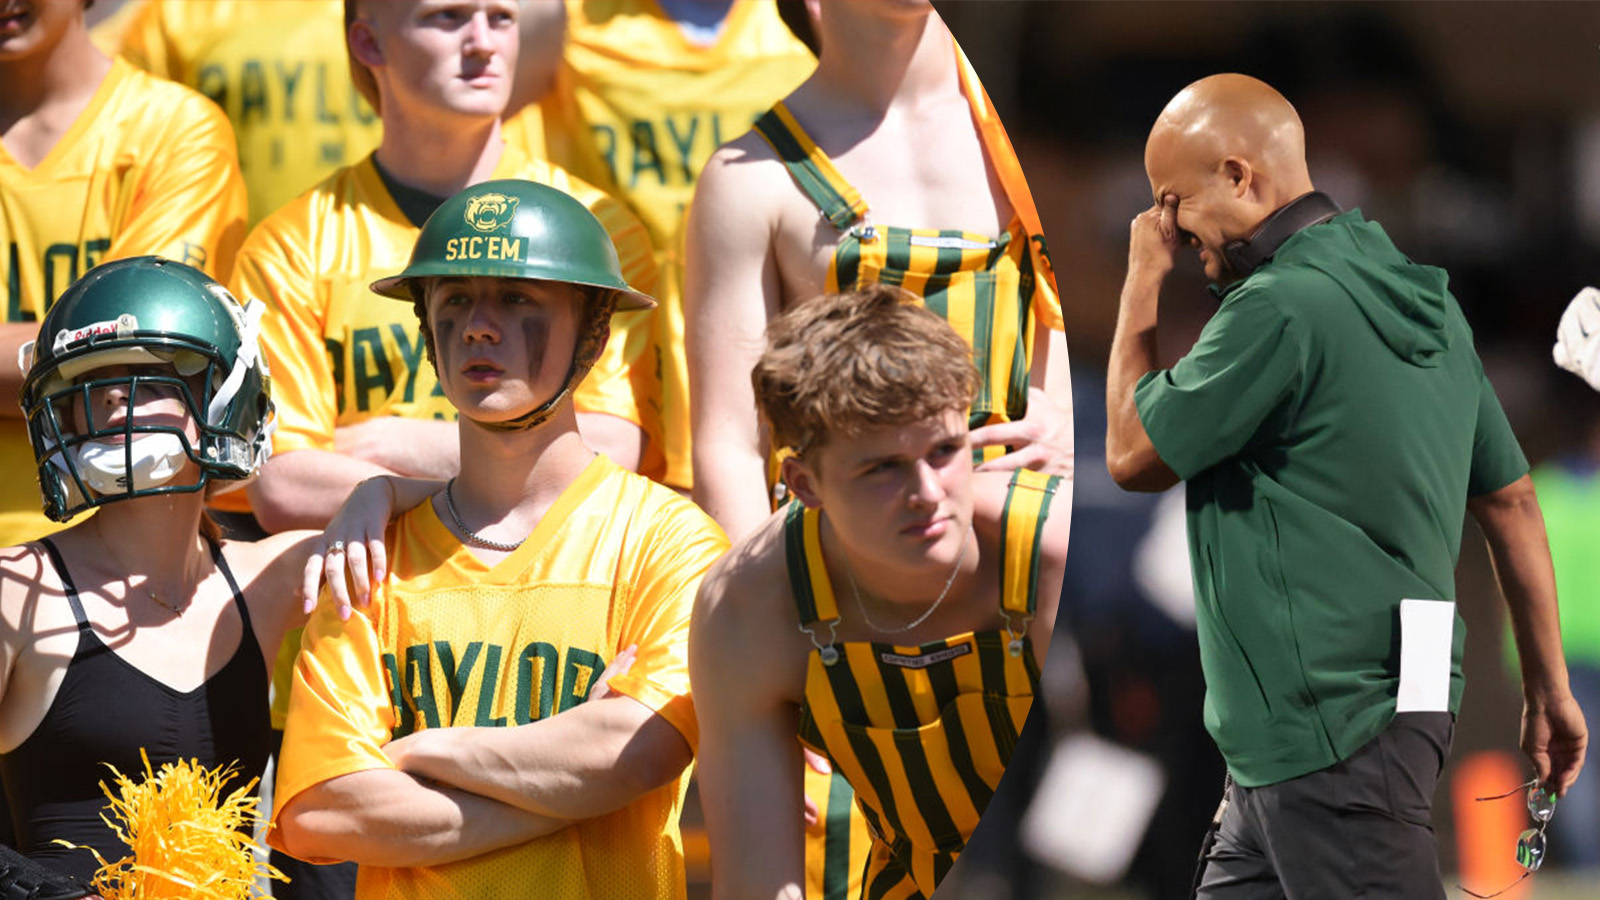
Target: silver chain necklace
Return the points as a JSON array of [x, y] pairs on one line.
[[954, 571], [472, 536], [175, 610]]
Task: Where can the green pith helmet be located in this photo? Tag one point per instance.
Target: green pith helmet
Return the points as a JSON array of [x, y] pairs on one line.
[[521, 229], [515, 229], [183, 334]]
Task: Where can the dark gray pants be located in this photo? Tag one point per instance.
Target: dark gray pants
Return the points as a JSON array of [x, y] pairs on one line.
[[1361, 829]]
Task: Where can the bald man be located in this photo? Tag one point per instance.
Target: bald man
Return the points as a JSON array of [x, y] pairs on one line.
[[1331, 423]]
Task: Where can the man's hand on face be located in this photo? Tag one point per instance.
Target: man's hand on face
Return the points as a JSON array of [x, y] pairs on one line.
[[1154, 238]]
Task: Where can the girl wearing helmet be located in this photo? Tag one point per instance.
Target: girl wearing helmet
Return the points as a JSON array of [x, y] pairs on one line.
[[137, 629]]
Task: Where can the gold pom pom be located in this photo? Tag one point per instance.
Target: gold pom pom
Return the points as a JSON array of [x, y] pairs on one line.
[[188, 840]]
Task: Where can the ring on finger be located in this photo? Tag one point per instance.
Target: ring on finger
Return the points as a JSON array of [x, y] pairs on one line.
[[337, 548]]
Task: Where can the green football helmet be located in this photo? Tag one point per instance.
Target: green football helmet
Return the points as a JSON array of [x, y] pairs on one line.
[[512, 228], [174, 331]]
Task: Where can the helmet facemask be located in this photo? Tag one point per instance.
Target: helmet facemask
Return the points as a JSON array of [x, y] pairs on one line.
[[91, 459], [89, 455]]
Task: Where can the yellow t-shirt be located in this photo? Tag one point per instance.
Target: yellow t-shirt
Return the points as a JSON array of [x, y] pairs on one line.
[[637, 110], [279, 71], [340, 354], [149, 167], [448, 641]]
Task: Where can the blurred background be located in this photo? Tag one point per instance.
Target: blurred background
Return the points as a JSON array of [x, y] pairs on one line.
[[1471, 131]]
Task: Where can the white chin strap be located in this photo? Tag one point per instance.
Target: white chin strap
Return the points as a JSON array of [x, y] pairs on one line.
[[103, 465], [249, 349]]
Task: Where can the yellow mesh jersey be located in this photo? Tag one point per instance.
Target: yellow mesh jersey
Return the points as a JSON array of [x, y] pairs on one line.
[[638, 109], [995, 291], [450, 641], [279, 71], [922, 733], [341, 354], [148, 167]]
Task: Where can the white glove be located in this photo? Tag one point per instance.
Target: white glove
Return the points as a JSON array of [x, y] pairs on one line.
[[1577, 346]]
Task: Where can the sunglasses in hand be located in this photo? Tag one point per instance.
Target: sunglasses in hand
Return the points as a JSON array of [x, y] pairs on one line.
[[1531, 843]]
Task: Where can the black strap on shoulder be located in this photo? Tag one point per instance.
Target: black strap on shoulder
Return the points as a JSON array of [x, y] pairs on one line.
[[66, 585], [233, 585], [1297, 215]]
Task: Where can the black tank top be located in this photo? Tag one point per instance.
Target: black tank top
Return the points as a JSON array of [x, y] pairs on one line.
[[104, 712]]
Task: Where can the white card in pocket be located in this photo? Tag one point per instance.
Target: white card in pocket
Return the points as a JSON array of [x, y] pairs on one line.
[[1427, 631]]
